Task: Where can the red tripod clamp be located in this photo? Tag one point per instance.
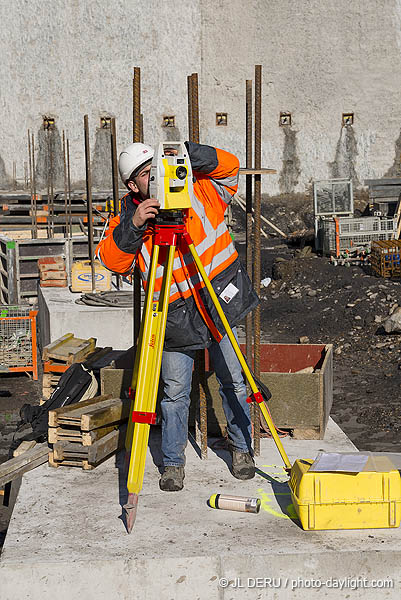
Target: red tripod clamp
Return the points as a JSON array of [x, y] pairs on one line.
[[141, 416], [255, 397], [166, 234], [147, 418]]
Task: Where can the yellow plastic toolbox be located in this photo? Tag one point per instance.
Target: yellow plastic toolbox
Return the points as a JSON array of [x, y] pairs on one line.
[[338, 500], [81, 277]]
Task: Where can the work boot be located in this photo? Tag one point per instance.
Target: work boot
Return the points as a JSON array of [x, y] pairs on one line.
[[172, 479], [243, 465]]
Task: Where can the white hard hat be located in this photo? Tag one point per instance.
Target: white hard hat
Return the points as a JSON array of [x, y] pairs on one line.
[[132, 157]]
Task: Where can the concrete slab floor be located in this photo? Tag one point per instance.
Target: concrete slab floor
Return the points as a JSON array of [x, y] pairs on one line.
[[66, 537]]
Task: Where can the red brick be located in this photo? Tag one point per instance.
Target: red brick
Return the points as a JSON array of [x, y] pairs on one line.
[[45, 275], [54, 283]]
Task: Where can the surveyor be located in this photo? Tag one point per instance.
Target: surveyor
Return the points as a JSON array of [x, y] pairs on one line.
[[192, 320]]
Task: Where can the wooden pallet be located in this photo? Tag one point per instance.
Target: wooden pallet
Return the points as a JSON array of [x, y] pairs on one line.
[[86, 433], [57, 358], [49, 384], [70, 434], [69, 349], [91, 414], [73, 454], [93, 454], [83, 464]]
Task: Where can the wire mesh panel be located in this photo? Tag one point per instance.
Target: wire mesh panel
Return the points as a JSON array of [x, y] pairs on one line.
[[333, 197], [18, 339], [352, 232]]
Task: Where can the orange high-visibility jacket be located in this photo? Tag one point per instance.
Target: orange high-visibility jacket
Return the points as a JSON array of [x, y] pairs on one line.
[[191, 313]]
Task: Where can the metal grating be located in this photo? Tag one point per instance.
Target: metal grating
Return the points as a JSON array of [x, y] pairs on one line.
[[15, 337], [333, 197], [354, 232]]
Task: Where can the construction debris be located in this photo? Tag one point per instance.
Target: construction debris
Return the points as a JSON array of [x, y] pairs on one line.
[[16, 467], [393, 323], [24, 447]]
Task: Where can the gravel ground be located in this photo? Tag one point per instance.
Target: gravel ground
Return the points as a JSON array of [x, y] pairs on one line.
[[343, 306]]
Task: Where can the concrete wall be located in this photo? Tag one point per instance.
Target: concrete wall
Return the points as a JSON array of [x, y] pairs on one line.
[[65, 58]]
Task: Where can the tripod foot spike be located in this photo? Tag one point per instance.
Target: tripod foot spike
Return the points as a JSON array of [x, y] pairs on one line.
[[130, 511]]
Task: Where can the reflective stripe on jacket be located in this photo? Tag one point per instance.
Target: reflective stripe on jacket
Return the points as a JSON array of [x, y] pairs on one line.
[[216, 181]]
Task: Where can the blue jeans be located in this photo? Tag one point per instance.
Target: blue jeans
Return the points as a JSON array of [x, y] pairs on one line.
[[177, 378]]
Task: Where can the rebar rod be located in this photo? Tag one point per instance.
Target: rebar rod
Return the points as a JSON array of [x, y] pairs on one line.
[[257, 226], [190, 119], [35, 228], [51, 134], [31, 182], [69, 190], [249, 243], [114, 165], [48, 182], [137, 137], [195, 108], [89, 202], [114, 171], [65, 185]]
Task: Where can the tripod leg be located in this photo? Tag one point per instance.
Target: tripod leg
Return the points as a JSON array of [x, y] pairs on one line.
[[147, 309], [151, 349], [238, 352], [201, 412]]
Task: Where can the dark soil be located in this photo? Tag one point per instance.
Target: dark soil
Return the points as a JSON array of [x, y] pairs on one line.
[[338, 305], [23, 390], [344, 312]]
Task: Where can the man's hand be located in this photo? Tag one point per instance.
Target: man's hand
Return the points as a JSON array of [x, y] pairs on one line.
[[146, 210]]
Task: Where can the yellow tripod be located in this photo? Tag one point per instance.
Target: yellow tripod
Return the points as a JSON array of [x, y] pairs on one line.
[[145, 379]]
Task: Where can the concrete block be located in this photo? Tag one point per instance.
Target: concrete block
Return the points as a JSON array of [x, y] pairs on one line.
[[59, 314]]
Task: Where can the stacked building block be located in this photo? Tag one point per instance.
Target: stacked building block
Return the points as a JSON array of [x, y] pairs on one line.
[[52, 271], [86, 433]]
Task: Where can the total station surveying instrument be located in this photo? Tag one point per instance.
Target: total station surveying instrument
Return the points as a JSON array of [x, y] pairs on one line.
[[172, 184]]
